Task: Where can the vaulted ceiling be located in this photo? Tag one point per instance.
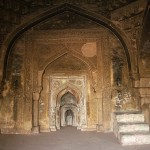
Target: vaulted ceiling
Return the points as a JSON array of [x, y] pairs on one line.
[[14, 12]]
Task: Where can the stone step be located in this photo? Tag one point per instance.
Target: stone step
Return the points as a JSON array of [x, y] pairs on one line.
[[128, 112], [132, 127], [135, 138], [130, 117]]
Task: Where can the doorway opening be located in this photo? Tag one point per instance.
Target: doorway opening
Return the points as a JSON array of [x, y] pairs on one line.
[[68, 110], [69, 117], [68, 102]]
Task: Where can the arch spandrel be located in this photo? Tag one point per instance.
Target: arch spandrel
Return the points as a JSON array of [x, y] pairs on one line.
[[79, 57]]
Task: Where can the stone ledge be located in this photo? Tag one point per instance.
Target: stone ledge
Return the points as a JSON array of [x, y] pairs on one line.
[[14, 131], [133, 127], [130, 118], [135, 138]]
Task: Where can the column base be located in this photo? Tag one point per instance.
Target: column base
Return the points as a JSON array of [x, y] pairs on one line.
[[99, 128], [52, 128], [35, 130]]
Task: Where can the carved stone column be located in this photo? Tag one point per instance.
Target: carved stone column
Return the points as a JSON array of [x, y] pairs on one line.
[[99, 87], [58, 117], [35, 119], [52, 118], [106, 91]]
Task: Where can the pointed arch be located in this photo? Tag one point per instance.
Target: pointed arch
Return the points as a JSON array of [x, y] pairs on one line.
[[68, 88], [8, 44], [54, 58]]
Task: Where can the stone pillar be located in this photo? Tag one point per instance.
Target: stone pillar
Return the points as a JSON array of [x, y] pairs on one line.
[[99, 87], [52, 118], [100, 127], [106, 91], [35, 119], [58, 117]]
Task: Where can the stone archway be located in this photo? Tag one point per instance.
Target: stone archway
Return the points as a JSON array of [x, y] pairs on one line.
[[68, 97], [68, 110]]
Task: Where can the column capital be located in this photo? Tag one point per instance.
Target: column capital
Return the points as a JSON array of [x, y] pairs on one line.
[[36, 93], [38, 89], [36, 96]]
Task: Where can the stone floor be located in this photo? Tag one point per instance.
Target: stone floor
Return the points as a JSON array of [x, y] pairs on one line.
[[65, 139]]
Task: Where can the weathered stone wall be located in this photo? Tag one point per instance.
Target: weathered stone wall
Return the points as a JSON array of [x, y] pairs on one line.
[[13, 97], [130, 19]]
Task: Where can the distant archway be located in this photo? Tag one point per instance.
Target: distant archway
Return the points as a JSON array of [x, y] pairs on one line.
[[68, 110], [68, 96], [69, 117], [67, 106]]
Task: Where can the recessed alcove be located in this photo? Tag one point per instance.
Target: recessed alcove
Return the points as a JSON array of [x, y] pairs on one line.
[[67, 102], [69, 116], [69, 110]]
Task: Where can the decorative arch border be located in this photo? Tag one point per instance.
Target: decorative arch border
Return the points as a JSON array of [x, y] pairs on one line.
[[91, 67], [68, 88], [8, 44], [53, 58], [55, 98]]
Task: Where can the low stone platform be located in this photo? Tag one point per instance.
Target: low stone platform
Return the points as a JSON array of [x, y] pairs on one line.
[[130, 128], [135, 138], [128, 117]]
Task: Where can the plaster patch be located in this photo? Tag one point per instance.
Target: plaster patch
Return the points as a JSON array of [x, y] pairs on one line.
[[89, 49]]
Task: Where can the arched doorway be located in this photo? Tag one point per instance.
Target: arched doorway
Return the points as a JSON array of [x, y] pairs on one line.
[[68, 103], [68, 110], [69, 117]]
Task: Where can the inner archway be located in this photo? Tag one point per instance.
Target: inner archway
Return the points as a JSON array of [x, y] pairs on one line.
[[68, 100], [68, 110], [69, 117]]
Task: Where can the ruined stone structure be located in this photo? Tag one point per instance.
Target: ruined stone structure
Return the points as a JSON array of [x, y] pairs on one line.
[[76, 63]]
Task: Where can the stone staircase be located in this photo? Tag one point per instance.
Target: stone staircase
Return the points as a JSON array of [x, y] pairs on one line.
[[130, 128]]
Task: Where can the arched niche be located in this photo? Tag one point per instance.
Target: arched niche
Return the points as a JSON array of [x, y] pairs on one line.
[[68, 88], [60, 84], [69, 117], [68, 110], [57, 108]]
